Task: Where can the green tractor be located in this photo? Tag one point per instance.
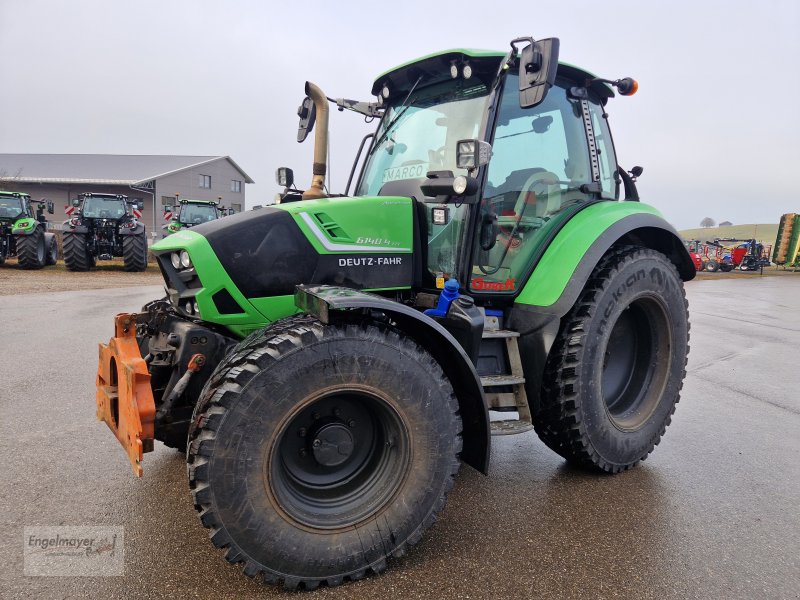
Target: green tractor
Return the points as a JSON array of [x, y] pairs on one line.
[[189, 213], [23, 231], [328, 362]]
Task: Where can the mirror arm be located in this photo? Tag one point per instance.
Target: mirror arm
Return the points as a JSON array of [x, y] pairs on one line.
[[631, 193], [355, 162]]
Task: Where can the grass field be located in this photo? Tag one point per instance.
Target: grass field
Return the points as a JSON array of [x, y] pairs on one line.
[[762, 232]]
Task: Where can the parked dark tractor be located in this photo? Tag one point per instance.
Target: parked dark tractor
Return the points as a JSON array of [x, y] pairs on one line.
[[329, 361], [23, 231], [102, 226]]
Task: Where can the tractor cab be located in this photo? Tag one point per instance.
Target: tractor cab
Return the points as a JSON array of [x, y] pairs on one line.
[[189, 213], [13, 206], [543, 162]]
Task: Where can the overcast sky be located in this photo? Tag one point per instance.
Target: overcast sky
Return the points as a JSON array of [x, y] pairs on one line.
[[714, 124]]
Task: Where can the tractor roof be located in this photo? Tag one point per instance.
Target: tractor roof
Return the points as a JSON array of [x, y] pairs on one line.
[[97, 195], [15, 194], [435, 67], [190, 201]]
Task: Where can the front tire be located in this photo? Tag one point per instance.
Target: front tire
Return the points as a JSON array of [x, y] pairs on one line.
[[31, 250], [344, 440], [614, 374]]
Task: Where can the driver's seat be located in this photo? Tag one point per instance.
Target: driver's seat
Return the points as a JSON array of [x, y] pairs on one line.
[[543, 191]]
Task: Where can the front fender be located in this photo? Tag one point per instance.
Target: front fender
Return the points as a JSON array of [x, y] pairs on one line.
[[24, 226], [324, 302]]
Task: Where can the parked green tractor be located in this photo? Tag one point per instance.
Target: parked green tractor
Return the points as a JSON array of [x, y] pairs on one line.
[[329, 361], [23, 231], [189, 213]]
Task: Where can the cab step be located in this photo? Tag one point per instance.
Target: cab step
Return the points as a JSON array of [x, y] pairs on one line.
[[510, 427], [513, 397]]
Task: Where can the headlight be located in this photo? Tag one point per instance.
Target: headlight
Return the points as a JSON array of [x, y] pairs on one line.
[[176, 260], [185, 260]]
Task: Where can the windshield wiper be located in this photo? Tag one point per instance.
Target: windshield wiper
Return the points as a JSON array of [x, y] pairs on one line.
[[400, 112]]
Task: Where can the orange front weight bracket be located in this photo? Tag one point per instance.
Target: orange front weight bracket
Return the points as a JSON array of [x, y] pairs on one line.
[[124, 397]]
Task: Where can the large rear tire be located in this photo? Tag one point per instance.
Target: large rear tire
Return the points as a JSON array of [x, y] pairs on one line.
[[614, 374], [52, 249], [31, 251], [76, 255], [134, 252], [317, 452]]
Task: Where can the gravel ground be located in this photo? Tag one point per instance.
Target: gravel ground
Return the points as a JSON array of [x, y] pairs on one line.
[[109, 274]]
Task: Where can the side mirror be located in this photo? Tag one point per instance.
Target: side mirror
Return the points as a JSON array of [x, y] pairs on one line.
[[139, 204], [538, 64], [285, 177], [308, 114], [471, 154], [76, 202], [51, 207]]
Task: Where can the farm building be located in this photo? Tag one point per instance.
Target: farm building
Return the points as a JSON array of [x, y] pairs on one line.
[[155, 179]]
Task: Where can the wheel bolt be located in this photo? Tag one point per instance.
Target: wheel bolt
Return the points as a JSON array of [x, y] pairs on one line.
[[316, 416], [316, 443], [303, 452], [301, 432], [351, 423], [337, 412]]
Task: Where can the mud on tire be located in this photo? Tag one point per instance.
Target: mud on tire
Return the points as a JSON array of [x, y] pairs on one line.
[[343, 439], [616, 369]]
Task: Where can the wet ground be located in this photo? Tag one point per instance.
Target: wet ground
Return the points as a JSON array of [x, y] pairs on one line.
[[713, 513]]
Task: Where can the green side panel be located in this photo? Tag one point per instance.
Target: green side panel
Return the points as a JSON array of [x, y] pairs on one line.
[[360, 224], [26, 225], [565, 252], [214, 279]]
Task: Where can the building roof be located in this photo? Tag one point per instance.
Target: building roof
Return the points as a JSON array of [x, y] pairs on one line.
[[103, 169]]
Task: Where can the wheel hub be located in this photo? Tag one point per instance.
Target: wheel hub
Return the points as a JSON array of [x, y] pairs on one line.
[[332, 445]]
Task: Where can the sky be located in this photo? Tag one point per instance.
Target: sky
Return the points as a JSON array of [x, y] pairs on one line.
[[714, 124]]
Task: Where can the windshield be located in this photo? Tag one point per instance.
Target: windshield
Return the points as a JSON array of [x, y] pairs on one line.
[[194, 214], [103, 208], [420, 134], [10, 207]]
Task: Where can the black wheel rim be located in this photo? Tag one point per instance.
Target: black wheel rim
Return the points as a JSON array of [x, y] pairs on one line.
[[339, 459], [636, 362]]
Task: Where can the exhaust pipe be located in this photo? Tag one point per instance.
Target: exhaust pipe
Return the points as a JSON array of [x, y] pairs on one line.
[[317, 188]]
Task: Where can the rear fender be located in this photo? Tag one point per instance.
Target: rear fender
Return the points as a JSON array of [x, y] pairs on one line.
[[566, 266], [324, 302], [138, 230]]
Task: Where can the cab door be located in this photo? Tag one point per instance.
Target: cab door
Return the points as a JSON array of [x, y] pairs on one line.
[[540, 161]]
